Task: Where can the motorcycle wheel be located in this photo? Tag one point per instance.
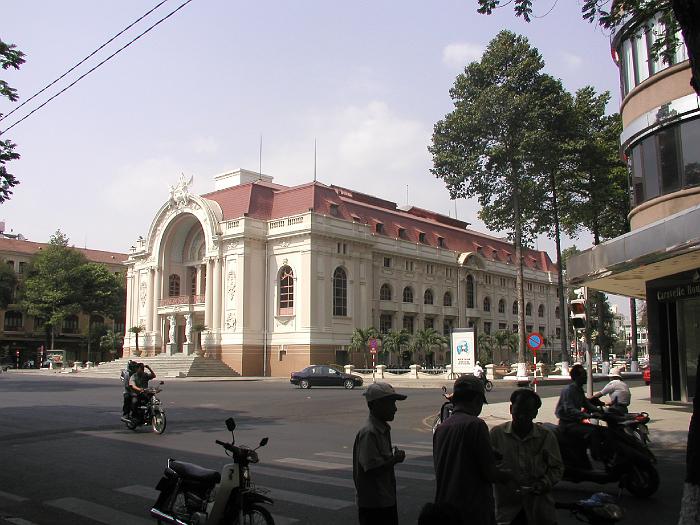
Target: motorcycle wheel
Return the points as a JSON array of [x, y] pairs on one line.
[[159, 422], [257, 515], [642, 481], [488, 386], [131, 425]]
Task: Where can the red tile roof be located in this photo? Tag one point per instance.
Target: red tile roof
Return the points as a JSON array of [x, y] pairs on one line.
[[30, 248], [265, 200]]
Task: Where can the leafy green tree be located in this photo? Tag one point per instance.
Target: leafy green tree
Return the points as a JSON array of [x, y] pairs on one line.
[[395, 341], [10, 57], [359, 341], [425, 341], [484, 147], [52, 288], [674, 15], [8, 284], [485, 344], [506, 341], [102, 292], [112, 342]]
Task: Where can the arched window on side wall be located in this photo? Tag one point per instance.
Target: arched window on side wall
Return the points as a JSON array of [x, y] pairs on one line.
[[428, 297], [540, 311], [408, 295], [528, 309], [286, 298], [557, 311], [340, 292], [501, 306], [470, 291], [13, 321], [447, 299], [515, 307], [173, 285], [385, 293]]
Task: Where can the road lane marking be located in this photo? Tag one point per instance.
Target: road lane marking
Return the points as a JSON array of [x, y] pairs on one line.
[[308, 499], [411, 445], [304, 476], [311, 464], [140, 491], [95, 512], [19, 521], [409, 462], [12, 497]]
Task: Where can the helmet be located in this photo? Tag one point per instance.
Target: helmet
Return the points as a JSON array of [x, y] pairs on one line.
[[478, 363]]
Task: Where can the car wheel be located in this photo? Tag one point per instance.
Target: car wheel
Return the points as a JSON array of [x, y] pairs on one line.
[[304, 383], [349, 384]]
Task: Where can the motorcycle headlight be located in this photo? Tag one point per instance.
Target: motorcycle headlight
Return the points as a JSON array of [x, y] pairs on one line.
[[252, 456]]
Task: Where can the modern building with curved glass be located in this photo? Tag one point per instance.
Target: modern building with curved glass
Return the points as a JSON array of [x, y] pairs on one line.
[[659, 260]]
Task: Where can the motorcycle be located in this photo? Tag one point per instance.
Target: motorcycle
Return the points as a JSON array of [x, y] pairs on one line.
[[623, 451], [445, 410], [193, 495], [599, 509], [149, 411]]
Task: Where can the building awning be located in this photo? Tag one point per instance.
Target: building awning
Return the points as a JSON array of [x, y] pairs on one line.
[[623, 265]]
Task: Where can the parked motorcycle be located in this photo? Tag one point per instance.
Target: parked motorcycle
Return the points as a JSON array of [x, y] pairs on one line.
[[623, 451], [193, 495], [445, 410], [599, 509], [149, 411]]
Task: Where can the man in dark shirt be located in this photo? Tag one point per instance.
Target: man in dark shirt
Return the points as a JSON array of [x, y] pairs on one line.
[[137, 383], [373, 459], [465, 467], [569, 411]]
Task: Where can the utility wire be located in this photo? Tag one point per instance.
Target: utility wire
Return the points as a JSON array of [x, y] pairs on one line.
[[98, 65], [83, 60]]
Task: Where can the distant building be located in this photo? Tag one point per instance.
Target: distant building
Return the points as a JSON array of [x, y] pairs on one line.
[[659, 260], [26, 335], [281, 276]]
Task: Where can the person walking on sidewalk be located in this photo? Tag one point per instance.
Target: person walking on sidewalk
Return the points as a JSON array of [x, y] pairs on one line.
[[373, 459], [465, 467], [531, 452]]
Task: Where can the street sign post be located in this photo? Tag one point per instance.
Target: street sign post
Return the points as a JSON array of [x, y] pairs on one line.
[[535, 342], [373, 343]]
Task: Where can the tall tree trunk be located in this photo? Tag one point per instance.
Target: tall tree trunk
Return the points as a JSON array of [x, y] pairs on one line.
[[522, 367], [634, 365], [687, 13], [560, 276], [600, 298]]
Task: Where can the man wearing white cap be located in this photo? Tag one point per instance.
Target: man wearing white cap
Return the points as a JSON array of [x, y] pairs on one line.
[[373, 459], [618, 391]]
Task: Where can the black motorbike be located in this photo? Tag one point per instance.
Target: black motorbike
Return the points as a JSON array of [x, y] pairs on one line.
[[149, 411], [622, 447], [445, 410], [193, 495]]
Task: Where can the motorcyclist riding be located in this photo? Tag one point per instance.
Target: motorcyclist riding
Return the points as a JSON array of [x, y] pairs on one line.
[[478, 371], [137, 383], [569, 411], [125, 375], [618, 391]]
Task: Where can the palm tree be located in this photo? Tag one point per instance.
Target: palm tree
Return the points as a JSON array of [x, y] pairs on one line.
[[360, 340], [136, 330], [425, 340], [111, 342], [394, 341], [506, 341]]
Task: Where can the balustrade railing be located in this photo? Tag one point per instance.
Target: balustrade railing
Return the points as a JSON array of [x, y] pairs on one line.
[[182, 299]]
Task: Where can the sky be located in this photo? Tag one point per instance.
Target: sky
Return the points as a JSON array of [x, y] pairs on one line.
[[366, 80]]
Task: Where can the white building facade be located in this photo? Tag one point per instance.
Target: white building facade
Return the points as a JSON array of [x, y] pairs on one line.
[[277, 278]]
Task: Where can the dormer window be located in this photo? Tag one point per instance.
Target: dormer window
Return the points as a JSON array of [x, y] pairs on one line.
[[379, 227], [402, 233], [334, 209], [421, 238], [441, 242]]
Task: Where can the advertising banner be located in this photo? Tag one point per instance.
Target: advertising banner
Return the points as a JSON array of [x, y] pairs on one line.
[[463, 345]]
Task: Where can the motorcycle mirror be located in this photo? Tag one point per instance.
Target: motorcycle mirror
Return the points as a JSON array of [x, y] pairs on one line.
[[230, 424], [444, 389], [263, 442]]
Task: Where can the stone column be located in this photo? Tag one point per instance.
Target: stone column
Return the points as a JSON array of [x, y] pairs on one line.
[[208, 297], [130, 298], [157, 293], [149, 301], [217, 294]]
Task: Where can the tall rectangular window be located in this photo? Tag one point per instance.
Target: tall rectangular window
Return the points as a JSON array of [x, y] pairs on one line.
[[408, 323], [487, 327], [668, 160], [650, 168], [387, 262], [385, 323], [690, 140]]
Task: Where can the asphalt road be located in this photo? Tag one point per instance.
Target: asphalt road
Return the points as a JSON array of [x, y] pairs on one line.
[[67, 459]]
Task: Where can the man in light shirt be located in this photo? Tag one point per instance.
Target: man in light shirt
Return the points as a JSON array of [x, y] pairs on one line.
[[618, 391]]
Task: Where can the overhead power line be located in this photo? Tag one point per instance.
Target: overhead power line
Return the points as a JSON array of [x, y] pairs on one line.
[[97, 66], [47, 86]]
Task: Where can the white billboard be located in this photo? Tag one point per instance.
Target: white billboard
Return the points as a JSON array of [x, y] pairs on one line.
[[463, 345]]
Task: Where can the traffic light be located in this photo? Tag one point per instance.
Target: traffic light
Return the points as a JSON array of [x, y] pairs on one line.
[[578, 313]]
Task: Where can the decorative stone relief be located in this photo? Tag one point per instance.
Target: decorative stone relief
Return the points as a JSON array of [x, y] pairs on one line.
[[171, 332], [143, 292], [180, 192], [188, 328], [231, 285], [231, 321], [232, 245], [285, 261], [284, 244]]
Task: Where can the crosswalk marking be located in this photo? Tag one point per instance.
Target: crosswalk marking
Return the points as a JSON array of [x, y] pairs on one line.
[[98, 513], [304, 476], [309, 499], [410, 474], [11, 497], [311, 464]]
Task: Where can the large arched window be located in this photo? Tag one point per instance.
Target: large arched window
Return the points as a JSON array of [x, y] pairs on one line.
[[173, 285], [470, 291], [501, 306], [447, 299], [540, 311], [286, 298], [340, 292], [515, 307], [487, 304], [385, 293], [428, 297], [408, 295], [13, 321], [528, 309]]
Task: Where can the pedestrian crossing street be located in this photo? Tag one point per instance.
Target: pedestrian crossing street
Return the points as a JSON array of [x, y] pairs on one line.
[[304, 491]]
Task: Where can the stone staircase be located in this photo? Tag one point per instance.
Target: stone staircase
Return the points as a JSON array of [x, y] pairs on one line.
[[170, 366]]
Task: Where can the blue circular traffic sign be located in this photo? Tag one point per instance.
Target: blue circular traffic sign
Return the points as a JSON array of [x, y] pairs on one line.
[[535, 341]]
